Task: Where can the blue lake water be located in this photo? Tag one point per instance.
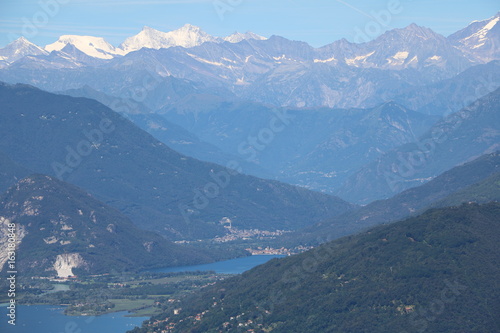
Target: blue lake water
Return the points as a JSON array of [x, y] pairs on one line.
[[233, 266], [50, 319]]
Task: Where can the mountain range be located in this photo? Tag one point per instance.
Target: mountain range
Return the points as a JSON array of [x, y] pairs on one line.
[[276, 71], [97, 47], [87, 144]]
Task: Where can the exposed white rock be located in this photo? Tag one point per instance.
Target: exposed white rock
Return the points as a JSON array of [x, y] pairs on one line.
[[66, 227], [111, 228], [29, 209], [50, 240], [65, 263], [20, 232], [148, 246], [93, 217]]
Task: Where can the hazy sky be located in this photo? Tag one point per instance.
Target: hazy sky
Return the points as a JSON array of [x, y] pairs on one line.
[[317, 22]]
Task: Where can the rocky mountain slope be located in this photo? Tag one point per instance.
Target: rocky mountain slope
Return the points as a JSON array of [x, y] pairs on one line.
[[63, 231]]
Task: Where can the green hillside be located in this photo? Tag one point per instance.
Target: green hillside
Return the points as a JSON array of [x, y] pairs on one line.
[[481, 192], [436, 272], [55, 220]]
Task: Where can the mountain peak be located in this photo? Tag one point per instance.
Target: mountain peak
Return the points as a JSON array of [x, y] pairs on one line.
[[149, 29], [96, 47], [412, 32], [22, 40], [479, 40], [18, 49], [186, 36], [415, 28], [237, 37], [190, 27]]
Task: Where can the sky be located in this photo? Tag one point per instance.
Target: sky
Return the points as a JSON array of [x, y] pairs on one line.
[[318, 22]]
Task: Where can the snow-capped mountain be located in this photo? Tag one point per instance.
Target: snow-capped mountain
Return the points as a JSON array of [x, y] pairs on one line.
[[187, 36], [95, 47], [480, 40], [238, 37], [410, 47], [276, 71], [18, 49]]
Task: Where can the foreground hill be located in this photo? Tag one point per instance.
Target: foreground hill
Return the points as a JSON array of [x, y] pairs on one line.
[[85, 143], [62, 230], [434, 273], [274, 71], [481, 192]]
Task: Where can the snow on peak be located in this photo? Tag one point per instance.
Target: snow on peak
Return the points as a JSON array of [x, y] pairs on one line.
[[478, 34], [489, 24], [95, 47], [19, 48], [238, 37], [22, 42], [187, 36]]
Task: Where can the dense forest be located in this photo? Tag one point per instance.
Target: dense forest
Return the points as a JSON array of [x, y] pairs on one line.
[[436, 272]]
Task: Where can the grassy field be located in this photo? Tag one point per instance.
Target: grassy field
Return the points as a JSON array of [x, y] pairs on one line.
[[139, 307], [98, 295]]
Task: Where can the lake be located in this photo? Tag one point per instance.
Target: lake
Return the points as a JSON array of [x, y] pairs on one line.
[[50, 319], [233, 266]]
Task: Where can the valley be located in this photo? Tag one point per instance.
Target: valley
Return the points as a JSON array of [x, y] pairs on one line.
[[156, 176]]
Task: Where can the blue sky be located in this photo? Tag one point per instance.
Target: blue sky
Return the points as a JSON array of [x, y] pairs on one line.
[[318, 22]]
